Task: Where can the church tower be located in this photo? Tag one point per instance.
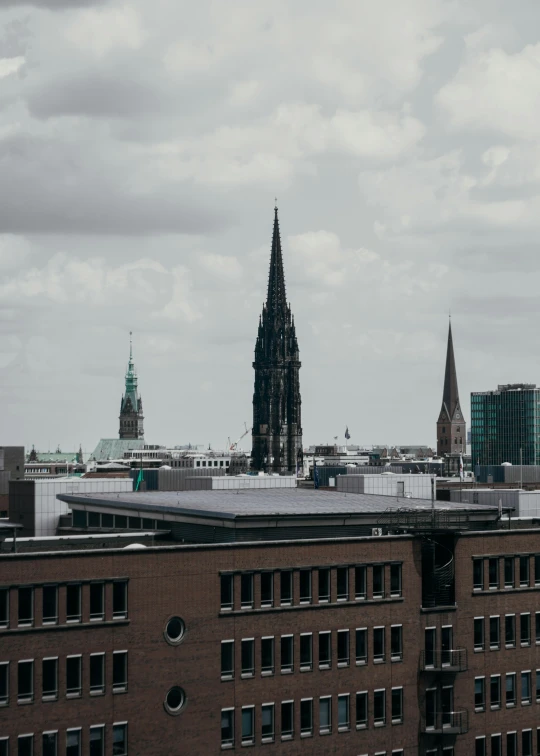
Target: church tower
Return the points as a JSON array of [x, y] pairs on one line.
[[277, 425], [451, 430], [131, 411]]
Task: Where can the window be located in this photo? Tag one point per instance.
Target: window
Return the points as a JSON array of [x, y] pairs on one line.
[[495, 691], [379, 707], [397, 705], [361, 645], [286, 590], [97, 603], [26, 606], [496, 745], [306, 717], [537, 569], [4, 683], [227, 728], [305, 586], [325, 715], [4, 607], [267, 656], [25, 681], [287, 653], [50, 604], [524, 562], [396, 642], [49, 744], [430, 638], [344, 719], [342, 579], [378, 644], [537, 692], [73, 743], [479, 634], [493, 572], [287, 719], [97, 740], [395, 579], [525, 688], [378, 581], [343, 652], [73, 676], [267, 723], [248, 657], [480, 746], [511, 689], [511, 744], [227, 591], [267, 589], [120, 739], [525, 629], [49, 677], [537, 628], [120, 673], [306, 652], [97, 674], [509, 572], [479, 693], [526, 743], [25, 745], [510, 630], [325, 650], [324, 584], [361, 710], [494, 632], [478, 574], [227, 660], [120, 605], [360, 582], [73, 603]]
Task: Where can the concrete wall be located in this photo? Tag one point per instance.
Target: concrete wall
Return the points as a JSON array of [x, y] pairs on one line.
[[414, 486]]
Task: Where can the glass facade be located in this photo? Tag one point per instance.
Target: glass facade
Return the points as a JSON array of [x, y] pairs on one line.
[[505, 422]]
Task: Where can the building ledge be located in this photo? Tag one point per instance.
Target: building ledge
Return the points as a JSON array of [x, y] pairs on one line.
[[52, 628], [304, 607]]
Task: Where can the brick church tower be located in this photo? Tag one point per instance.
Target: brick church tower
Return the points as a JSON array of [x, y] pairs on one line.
[[451, 430], [277, 425], [131, 411]]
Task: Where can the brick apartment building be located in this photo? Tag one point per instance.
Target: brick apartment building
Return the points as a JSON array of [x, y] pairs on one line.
[[287, 627]]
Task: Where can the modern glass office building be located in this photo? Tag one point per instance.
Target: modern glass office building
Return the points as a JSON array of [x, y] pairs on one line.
[[505, 425]]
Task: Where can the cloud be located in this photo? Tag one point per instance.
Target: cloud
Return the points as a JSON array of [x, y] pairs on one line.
[[320, 256], [101, 30], [50, 4], [222, 266], [9, 66]]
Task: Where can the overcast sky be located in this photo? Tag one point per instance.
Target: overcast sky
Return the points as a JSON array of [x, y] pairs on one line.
[[141, 147]]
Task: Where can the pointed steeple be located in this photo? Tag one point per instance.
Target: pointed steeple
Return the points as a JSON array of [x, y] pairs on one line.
[[131, 412], [276, 300], [451, 426], [450, 391]]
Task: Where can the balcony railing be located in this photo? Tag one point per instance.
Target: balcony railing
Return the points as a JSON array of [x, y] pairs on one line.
[[449, 722], [453, 660]]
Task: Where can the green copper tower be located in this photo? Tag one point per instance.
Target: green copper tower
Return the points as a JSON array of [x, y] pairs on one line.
[[131, 411]]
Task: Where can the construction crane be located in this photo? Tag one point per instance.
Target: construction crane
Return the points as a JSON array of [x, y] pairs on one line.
[[234, 446]]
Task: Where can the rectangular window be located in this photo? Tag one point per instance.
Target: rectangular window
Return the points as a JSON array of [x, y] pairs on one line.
[[248, 657], [227, 660], [378, 581], [120, 599], [478, 574], [325, 650], [493, 572], [227, 728], [325, 715], [361, 645], [396, 642], [267, 589], [511, 689], [509, 572], [395, 580], [378, 644], [120, 671], [120, 740], [49, 744], [25, 745], [360, 582], [25, 681], [510, 630], [379, 707], [49, 678], [480, 746], [97, 674], [227, 592], [537, 569], [287, 653], [97, 602], [495, 691], [267, 656], [306, 717], [286, 587], [50, 604], [397, 705], [496, 745], [267, 723], [26, 607], [4, 607], [73, 603], [537, 627], [343, 648], [525, 688], [526, 743], [511, 744], [306, 652], [342, 579], [97, 741], [305, 586], [73, 676], [494, 632], [73, 743], [479, 693], [324, 584], [537, 690], [479, 641], [4, 683], [287, 720], [524, 576], [430, 640], [525, 629], [361, 710], [344, 718]]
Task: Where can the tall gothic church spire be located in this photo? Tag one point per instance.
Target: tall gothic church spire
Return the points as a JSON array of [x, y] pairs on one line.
[[451, 430], [131, 411], [277, 426]]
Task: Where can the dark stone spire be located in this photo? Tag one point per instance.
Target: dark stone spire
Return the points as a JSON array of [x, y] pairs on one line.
[[451, 429], [450, 392], [276, 299]]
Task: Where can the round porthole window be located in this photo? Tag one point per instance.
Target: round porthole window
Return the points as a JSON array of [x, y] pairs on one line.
[[175, 630], [175, 700]]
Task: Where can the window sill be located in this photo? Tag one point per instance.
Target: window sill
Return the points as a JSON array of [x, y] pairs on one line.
[[248, 743], [324, 601], [479, 650], [526, 703], [306, 669], [25, 701], [495, 707], [51, 697], [397, 721], [509, 645], [97, 619], [344, 728], [97, 692], [379, 724], [479, 709], [360, 598], [226, 678], [287, 671], [119, 689], [341, 665], [286, 737], [267, 739], [325, 732], [245, 675], [361, 663], [50, 621], [396, 658], [325, 666], [227, 746], [73, 621], [267, 673], [378, 661], [361, 726], [306, 734]]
